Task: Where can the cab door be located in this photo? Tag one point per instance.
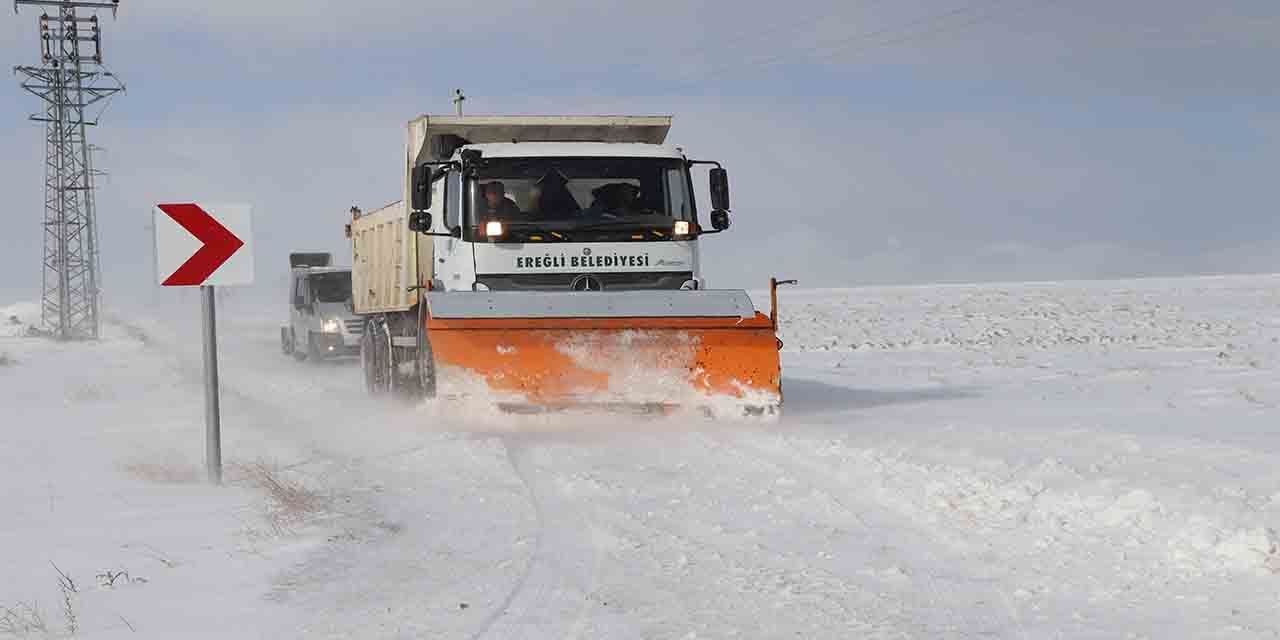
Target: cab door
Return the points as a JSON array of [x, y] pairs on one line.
[[298, 308], [455, 264]]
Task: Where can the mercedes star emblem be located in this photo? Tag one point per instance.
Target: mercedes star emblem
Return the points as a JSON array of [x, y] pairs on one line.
[[586, 283]]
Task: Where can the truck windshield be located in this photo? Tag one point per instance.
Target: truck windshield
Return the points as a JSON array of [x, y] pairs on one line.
[[581, 199], [331, 287]]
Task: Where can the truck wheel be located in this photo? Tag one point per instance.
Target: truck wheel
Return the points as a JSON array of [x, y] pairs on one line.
[[389, 366], [424, 361], [313, 349], [372, 360], [425, 365], [366, 356], [293, 347]]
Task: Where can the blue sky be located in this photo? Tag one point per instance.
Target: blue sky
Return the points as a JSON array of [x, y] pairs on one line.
[[867, 142]]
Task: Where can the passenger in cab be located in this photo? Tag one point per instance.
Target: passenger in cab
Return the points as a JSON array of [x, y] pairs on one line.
[[629, 199], [615, 199], [550, 198]]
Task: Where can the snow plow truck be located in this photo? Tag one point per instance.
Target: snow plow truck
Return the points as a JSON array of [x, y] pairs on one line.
[[548, 262]]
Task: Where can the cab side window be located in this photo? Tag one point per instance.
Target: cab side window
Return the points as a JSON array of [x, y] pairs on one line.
[[299, 292], [451, 186], [678, 204]]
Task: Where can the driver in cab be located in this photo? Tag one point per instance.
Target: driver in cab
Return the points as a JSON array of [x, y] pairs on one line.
[[496, 204]]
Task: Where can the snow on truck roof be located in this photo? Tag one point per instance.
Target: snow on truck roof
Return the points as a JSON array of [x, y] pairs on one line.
[[485, 129], [575, 149]]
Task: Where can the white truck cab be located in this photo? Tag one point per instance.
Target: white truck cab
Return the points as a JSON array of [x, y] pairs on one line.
[[321, 321], [567, 216]]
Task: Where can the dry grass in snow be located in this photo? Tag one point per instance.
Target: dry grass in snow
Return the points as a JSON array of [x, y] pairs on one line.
[[22, 619], [290, 502]]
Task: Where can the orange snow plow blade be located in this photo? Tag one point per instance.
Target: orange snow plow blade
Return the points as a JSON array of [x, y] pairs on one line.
[[546, 358]]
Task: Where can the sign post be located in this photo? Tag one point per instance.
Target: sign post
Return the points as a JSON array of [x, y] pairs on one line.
[[212, 418], [205, 246]]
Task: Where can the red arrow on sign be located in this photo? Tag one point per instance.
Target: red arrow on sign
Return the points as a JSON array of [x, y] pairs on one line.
[[219, 244]]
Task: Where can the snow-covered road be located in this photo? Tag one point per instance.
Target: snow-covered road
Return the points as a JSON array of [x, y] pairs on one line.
[[1074, 460]]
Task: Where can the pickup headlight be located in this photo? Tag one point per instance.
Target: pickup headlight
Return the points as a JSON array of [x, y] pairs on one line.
[[331, 325]]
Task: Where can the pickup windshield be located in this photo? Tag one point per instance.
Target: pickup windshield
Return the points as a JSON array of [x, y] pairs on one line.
[[581, 199], [331, 287]]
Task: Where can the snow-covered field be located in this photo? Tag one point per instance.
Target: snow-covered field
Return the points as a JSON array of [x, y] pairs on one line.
[[1071, 460]]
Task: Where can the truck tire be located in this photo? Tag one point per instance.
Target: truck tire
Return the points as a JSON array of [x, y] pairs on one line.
[[425, 362], [298, 355], [373, 359], [366, 356], [313, 349], [399, 363]]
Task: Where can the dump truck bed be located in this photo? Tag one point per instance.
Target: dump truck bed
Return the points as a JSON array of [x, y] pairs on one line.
[[386, 259]]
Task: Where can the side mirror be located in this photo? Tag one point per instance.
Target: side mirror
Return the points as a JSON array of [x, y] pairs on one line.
[[470, 158], [420, 221], [421, 187], [720, 219], [720, 189]]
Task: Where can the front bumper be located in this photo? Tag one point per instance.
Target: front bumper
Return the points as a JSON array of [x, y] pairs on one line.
[[337, 343]]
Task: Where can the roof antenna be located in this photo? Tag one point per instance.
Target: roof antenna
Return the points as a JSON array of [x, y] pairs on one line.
[[458, 98]]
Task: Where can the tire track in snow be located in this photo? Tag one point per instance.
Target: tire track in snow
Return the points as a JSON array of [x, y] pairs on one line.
[[539, 519], [541, 589], [553, 583]]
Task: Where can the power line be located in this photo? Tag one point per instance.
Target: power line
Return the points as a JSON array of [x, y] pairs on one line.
[[918, 29], [843, 44], [939, 29], [788, 28]]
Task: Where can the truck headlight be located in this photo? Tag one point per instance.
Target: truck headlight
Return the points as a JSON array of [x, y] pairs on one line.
[[681, 228], [331, 325], [493, 229]]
